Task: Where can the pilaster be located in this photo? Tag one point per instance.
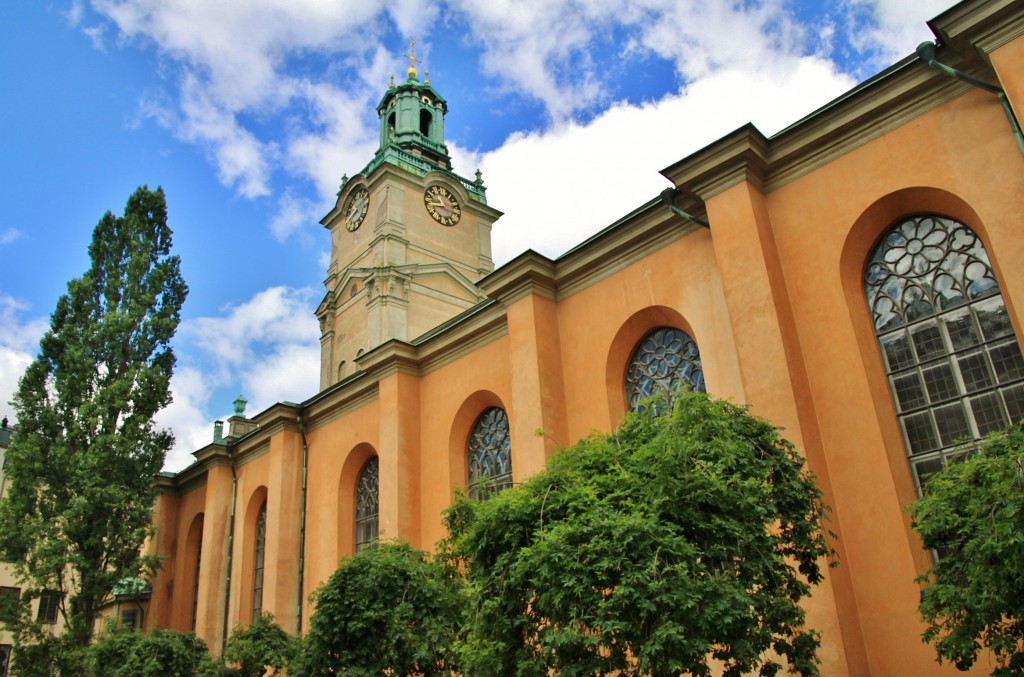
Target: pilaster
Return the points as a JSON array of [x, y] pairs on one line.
[[281, 563], [399, 457], [214, 558], [538, 390], [774, 380]]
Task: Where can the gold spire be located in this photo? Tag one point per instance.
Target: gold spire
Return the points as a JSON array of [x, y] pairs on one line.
[[411, 56]]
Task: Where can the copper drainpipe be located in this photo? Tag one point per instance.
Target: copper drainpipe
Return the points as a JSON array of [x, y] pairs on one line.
[[668, 198], [926, 51]]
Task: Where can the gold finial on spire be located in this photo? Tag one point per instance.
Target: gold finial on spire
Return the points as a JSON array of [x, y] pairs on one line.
[[411, 56], [391, 84], [426, 77]]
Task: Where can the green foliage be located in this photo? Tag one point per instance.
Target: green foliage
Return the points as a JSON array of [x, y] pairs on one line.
[[159, 653], [389, 610], [973, 514], [682, 539], [47, 655], [263, 644], [81, 462]]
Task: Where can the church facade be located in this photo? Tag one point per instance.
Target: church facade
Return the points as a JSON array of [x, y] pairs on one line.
[[855, 279]]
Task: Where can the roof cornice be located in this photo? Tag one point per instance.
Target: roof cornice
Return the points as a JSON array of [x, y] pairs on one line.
[[976, 28], [901, 93]]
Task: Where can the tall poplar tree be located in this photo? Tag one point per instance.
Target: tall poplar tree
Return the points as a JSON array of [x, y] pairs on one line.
[[82, 461]]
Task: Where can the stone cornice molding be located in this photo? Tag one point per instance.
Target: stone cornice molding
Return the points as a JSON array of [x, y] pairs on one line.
[[907, 90], [527, 274], [977, 28]]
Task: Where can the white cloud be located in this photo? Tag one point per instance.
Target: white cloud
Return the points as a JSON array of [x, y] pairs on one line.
[[291, 373], [610, 166], [242, 160], [887, 30], [10, 235], [233, 65], [74, 13], [292, 214], [272, 316], [337, 135], [266, 348], [19, 343], [548, 49], [186, 416]]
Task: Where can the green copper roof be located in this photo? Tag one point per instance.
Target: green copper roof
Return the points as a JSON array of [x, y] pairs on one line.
[[132, 585], [412, 84]]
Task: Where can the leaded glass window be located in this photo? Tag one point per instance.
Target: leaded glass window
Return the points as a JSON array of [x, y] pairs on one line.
[[953, 363], [367, 506], [664, 361], [489, 454], [195, 582], [257, 569]]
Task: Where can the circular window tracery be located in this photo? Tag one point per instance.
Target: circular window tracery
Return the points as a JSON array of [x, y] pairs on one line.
[[367, 505], [489, 454], [664, 361], [954, 366]]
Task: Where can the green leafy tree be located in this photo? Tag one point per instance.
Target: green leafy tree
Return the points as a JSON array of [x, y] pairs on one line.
[[262, 644], [390, 610], [81, 462], [973, 514], [121, 652], [687, 537], [41, 654]]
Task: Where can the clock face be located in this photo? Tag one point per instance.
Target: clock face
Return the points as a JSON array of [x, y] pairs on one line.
[[356, 210], [442, 205]]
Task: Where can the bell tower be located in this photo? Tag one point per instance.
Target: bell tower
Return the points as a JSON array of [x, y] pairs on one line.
[[409, 237]]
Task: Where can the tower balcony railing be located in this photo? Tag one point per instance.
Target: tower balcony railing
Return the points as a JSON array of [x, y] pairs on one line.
[[419, 166]]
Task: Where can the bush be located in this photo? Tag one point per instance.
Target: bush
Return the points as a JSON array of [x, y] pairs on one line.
[[389, 610], [687, 537], [158, 653], [261, 645]]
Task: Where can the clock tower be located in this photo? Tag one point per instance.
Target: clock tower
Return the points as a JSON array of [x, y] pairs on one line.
[[409, 237]]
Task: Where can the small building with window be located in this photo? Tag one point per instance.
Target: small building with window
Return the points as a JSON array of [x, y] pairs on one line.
[[44, 604], [854, 278]]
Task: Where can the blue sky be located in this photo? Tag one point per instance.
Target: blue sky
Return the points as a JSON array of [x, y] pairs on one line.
[[248, 113]]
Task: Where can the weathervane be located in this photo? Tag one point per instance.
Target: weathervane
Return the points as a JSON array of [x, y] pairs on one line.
[[411, 56]]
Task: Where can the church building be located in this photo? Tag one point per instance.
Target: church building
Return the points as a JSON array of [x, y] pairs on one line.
[[855, 279]]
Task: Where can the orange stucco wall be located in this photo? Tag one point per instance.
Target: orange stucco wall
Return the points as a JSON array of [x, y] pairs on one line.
[[773, 296]]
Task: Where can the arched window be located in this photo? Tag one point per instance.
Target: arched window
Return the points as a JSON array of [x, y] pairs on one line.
[[426, 119], [195, 585], [257, 567], [953, 363], [195, 581], [192, 557], [367, 506], [664, 360], [489, 454]]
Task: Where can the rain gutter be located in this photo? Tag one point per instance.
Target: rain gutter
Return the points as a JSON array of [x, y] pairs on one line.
[[926, 50]]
